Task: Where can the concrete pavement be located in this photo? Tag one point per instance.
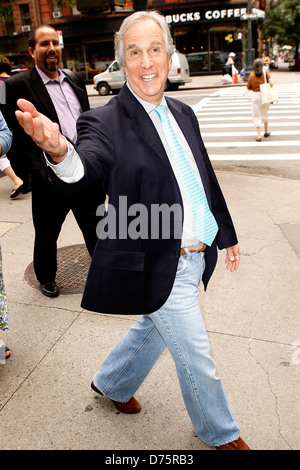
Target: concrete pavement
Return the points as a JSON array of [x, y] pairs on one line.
[[252, 317]]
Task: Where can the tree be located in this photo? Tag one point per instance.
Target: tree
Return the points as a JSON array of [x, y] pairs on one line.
[[6, 11], [65, 3], [282, 23]]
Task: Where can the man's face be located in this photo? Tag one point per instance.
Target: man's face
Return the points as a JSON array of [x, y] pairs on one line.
[[47, 51], [146, 60]]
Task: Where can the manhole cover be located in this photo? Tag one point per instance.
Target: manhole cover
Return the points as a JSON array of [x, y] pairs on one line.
[[72, 268]]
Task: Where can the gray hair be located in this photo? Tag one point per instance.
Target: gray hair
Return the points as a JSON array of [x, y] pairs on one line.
[[138, 16], [258, 67]]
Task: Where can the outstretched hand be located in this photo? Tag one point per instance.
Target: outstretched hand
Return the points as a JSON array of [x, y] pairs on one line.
[[42, 130]]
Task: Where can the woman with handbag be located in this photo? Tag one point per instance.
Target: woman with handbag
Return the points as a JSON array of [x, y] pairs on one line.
[[259, 110]]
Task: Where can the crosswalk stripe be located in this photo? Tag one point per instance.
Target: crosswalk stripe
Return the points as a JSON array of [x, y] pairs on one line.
[[240, 106], [285, 143], [232, 113], [247, 134], [249, 124], [258, 156], [244, 118], [227, 128]]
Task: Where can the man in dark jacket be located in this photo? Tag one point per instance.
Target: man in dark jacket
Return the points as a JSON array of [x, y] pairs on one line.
[[63, 100], [148, 152]]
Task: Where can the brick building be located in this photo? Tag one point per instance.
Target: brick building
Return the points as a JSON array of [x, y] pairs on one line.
[[204, 30]]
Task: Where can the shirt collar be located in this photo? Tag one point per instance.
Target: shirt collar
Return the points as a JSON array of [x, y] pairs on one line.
[[45, 77], [149, 107]]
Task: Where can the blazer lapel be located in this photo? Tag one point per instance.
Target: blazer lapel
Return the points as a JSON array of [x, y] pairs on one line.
[[144, 127], [42, 96], [80, 93], [142, 123]]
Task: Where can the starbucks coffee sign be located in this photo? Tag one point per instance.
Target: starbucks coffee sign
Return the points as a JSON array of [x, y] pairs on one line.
[[208, 15]]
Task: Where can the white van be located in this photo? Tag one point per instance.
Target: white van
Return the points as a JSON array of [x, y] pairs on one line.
[[113, 79]]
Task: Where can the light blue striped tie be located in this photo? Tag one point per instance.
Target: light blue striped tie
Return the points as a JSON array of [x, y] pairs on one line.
[[205, 224]]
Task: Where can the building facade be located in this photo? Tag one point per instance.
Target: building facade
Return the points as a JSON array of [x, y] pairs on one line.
[[206, 31]]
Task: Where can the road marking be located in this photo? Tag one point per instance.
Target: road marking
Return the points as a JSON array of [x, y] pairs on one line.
[[263, 143], [242, 118], [258, 156], [233, 113], [226, 119], [247, 134], [250, 124]]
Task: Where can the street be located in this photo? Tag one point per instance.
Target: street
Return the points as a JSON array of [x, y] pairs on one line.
[[227, 129]]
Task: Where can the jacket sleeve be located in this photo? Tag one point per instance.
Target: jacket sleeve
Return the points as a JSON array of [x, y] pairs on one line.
[[22, 145], [96, 152], [5, 136]]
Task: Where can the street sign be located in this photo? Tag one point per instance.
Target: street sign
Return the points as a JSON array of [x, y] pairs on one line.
[[249, 16]]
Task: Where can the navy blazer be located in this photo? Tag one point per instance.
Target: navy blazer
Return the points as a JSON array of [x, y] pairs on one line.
[[121, 149]]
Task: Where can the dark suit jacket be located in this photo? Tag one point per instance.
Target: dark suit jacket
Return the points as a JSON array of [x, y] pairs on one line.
[[120, 146], [24, 154]]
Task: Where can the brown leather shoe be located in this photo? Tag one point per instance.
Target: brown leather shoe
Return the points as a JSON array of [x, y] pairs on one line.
[[130, 407], [239, 444]]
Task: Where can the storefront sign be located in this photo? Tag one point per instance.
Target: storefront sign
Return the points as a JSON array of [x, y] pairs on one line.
[[208, 15]]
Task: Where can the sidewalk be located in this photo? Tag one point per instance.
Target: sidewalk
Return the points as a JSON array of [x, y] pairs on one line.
[[252, 317]]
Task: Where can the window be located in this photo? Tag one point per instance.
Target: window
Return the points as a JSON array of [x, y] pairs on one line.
[[25, 14]]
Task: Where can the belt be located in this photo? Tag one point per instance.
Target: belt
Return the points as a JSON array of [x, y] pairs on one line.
[[192, 249]]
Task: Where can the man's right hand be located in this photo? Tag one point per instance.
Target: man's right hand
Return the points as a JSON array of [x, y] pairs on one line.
[[44, 133]]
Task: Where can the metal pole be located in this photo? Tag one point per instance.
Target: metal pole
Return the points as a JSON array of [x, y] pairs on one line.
[[249, 43]]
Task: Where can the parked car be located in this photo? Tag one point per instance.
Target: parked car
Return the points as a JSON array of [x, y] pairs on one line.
[[18, 68], [113, 79], [90, 69]]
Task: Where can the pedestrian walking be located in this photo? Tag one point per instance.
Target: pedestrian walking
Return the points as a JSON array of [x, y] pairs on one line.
[[147, 148], [259, 110], [266, 62]]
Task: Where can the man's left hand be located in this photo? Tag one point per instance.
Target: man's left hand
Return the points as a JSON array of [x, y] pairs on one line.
[[232, 259]]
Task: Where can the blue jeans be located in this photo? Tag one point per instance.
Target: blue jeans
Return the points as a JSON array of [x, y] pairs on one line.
[[179, 326]]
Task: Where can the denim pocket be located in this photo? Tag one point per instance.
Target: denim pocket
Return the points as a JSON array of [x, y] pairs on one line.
[[182, 265]]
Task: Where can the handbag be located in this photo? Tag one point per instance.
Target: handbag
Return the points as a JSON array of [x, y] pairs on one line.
[[268, 95]]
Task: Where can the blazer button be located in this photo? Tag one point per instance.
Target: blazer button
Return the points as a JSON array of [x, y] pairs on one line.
[[177, 254]]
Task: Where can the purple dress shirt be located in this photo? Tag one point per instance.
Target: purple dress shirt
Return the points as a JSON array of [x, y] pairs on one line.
[[65, 101]]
